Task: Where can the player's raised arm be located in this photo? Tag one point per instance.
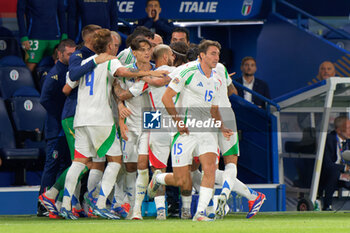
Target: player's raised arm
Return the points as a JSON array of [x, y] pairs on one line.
[[132, 72], [157, 81]]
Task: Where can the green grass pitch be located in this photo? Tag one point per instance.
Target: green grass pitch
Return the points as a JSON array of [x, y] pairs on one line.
[[263, 222]]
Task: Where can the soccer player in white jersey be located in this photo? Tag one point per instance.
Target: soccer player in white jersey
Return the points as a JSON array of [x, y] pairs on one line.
[[135, 141], [195, 87], [230, 151], [94, 124], [126, 56], [160, 142]]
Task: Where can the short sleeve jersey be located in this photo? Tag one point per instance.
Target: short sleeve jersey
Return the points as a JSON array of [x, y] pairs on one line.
[[72, 84], [156, 93], [94, 107], [225, 81], [136, 103], [195, 90], [126, 57], [178, 69]]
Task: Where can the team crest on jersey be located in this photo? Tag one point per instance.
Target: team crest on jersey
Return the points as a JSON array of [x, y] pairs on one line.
[[28, 105], [152, 119], [176, 81], [217, 85], [32, 55], [247, 7], [55, 154], [125, 156]]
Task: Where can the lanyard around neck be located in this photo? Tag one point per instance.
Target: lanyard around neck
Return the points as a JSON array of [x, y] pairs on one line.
[[340, 147]]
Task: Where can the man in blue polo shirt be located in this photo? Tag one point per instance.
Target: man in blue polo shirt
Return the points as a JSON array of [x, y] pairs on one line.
[[52, 99]]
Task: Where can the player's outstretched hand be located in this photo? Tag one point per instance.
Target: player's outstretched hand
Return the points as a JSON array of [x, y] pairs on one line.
[[124, 130], [125, 112], [227, 133], [159, 73], [182, 130], [103, 57]]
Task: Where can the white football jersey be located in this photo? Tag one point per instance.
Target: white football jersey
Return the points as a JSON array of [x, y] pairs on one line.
[[225, 81], [126, 57], [156, 93], [178, 69], [136, 103], [72, 84], [93, 107], [196, 92], [226, 111]]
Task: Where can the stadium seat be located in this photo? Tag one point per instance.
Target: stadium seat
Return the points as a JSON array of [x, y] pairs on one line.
[[12, 61], [26, 91], [14, 78], [8, 44], [13, 158], [28, 117]]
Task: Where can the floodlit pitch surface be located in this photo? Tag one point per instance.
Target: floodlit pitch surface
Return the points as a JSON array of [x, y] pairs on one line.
[[264, 222]]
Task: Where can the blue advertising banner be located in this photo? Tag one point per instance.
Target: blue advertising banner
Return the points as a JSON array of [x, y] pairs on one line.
[[194, 10]]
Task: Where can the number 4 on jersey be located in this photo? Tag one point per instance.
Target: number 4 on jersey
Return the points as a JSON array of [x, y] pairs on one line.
[[90, 81]]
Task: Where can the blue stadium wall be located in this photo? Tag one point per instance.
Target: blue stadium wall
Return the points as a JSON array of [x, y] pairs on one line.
[[239, 40], [288, 57]]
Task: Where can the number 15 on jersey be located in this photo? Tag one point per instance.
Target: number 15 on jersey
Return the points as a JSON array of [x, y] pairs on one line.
[[177, 148]]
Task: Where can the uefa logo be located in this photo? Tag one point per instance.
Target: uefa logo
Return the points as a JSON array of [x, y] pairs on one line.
[[152, 119]]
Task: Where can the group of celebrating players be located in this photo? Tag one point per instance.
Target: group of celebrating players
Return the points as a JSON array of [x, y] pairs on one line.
[[112, 95]]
